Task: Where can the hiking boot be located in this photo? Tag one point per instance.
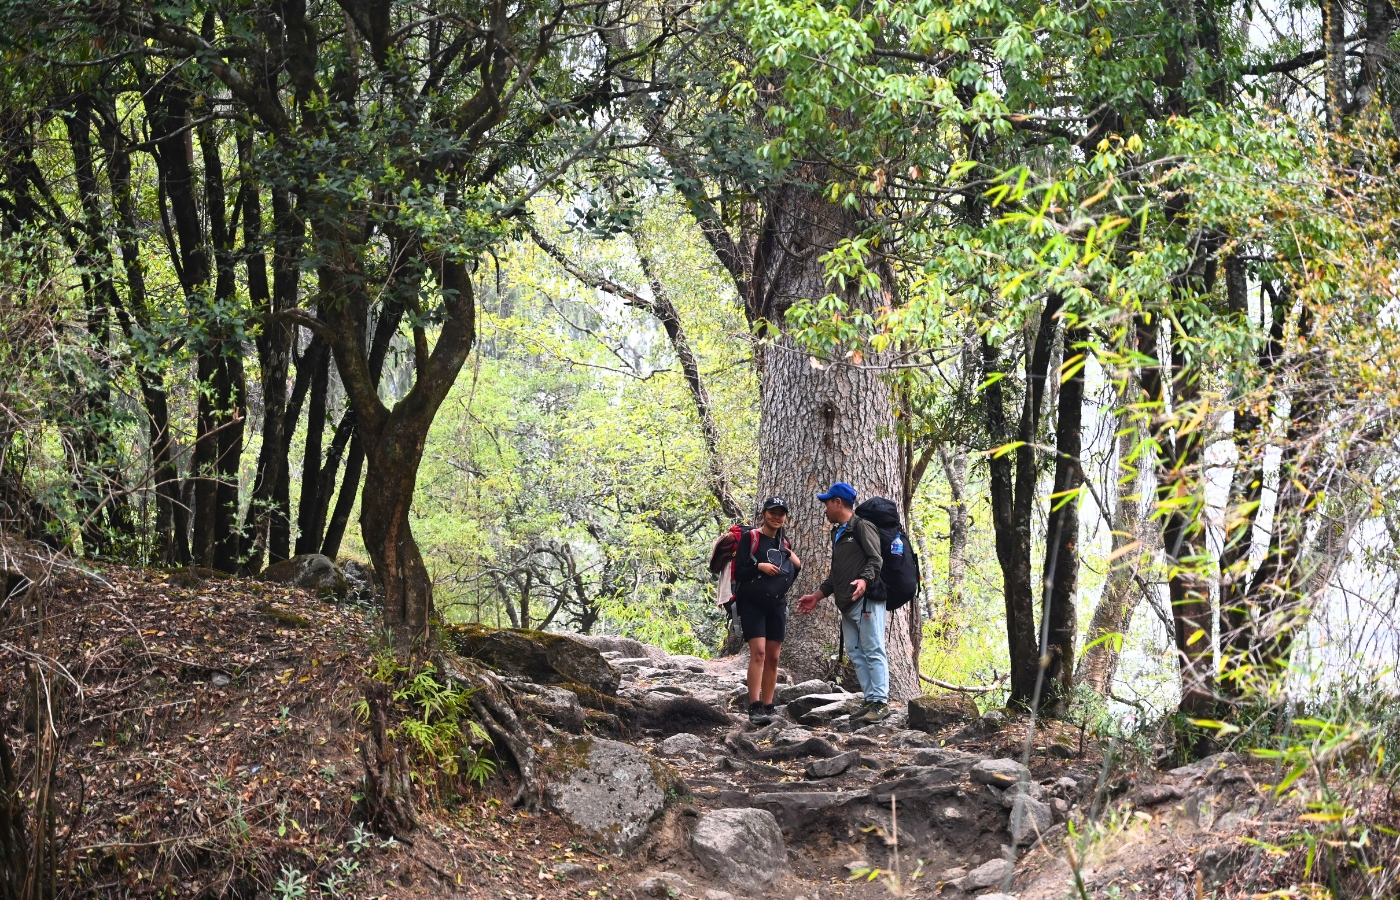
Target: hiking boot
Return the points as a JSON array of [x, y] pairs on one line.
[[759, 714], [770, 710], [875, 712]]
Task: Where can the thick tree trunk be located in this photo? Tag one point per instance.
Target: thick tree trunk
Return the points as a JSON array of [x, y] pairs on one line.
[[394, 439], [819, 424], [388, 535], [384, 329]]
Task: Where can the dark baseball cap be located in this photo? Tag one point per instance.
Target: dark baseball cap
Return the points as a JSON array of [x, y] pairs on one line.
[[775, 503], [840, 490]]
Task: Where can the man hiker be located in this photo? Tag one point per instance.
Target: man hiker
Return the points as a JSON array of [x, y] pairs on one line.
[[764, 568], [855, 564]]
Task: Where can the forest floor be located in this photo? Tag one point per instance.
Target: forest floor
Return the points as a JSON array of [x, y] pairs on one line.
[[207, 745]]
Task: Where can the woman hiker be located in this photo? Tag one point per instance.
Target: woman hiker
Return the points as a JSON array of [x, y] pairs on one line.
[[764, 569]]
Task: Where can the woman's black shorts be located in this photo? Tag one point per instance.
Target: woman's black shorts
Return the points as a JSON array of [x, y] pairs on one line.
[[763, 619]]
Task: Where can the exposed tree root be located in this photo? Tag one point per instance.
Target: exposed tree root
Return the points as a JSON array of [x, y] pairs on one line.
[[490, 699]]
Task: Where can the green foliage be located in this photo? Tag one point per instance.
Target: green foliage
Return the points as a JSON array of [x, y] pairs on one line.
[[291, 886], [437, 724], [564, 484]]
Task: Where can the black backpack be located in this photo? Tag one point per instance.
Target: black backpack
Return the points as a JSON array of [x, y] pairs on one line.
[[899, 570]]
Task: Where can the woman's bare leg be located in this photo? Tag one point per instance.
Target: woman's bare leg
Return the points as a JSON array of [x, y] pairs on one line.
[[770, 671], [758, 657]]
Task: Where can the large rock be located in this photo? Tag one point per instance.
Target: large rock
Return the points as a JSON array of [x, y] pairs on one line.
[[609, 791], [916, 788], [831, 711], [803, 705], [536, 655], [934, 712], [1030, 818], [991, 873], [555, 705], [311, 571], [629, 648], [999, 773], [742, 846], [790, 692], [362, 581], [683, 744], [949, 759], [830, 768]]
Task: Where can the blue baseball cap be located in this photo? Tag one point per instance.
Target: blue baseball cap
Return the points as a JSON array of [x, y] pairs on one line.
[[840, 490]]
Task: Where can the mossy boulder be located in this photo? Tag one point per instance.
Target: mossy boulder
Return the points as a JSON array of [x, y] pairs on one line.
[[934, 712], [536, 655], [311, 571], [608, 791]]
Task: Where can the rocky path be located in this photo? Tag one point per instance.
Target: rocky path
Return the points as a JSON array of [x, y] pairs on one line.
[[922, 803]]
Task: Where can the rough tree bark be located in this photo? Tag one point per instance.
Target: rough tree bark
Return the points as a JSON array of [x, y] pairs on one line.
[[819, 422]]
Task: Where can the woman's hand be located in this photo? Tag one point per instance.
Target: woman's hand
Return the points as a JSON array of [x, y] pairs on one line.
[[768, 568], [797, 563]]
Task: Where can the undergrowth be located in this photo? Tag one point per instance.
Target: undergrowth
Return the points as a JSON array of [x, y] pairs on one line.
[[450, 748]]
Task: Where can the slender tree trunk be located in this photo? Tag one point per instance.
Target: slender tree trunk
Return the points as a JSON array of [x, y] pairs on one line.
[[670, 318], [1334, 24], [1179, 490], [221, 384], [99, 480], [955, 473], [1114, 613], [274, 348], [1279, 587], [1062, 529], [660, 306], [168, 113], [170, 523], [1013, 498], [308, 530], [384, 331]]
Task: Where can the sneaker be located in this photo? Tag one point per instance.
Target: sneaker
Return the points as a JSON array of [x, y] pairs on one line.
[[758, 714], [770, 710], [875, 712]]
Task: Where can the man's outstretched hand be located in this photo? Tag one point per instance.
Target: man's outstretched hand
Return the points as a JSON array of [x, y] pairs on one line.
[[808, 602]]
